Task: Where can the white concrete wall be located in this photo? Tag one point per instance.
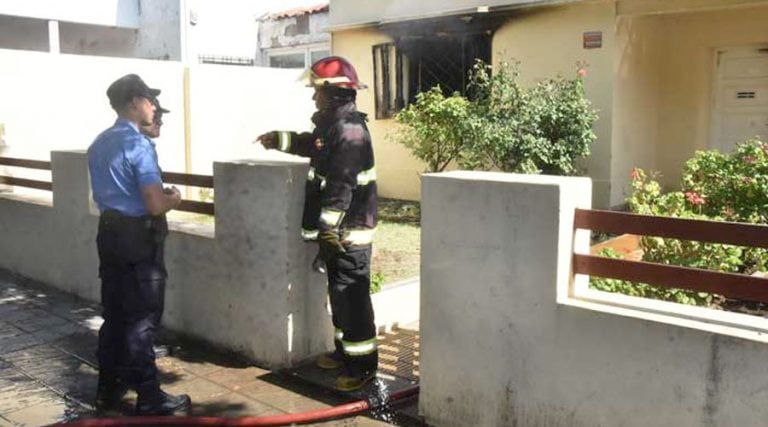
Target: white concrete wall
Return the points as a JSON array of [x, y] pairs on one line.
[[508, 340], [153, 31], [81, 39], [231, 106], [249, 288], [226, 28], [23, 33], [59, 102], [112, 13], [160, 30]]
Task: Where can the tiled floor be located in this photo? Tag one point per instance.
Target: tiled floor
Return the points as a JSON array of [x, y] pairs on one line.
[[48, 367]]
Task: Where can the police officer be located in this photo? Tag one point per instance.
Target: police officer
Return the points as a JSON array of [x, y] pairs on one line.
[[127, 187], [153, 130], [340, 213]]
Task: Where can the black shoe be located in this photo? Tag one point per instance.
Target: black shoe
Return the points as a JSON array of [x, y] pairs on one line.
[[109, 395], [162, 403]]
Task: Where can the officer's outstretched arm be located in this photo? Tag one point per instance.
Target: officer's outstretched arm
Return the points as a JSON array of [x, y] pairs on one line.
[[300, 144]]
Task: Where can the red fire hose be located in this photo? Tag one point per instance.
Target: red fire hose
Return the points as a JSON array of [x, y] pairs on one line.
[[344, 410]]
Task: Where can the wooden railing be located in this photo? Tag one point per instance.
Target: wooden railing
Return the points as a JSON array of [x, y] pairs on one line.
[[23, 182], [204, 181], [731, 285]]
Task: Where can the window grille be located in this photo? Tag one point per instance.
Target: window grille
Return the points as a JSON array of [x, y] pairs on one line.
[[410, 66]]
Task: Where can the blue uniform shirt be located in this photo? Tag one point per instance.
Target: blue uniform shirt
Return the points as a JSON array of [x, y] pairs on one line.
[[121, 161]]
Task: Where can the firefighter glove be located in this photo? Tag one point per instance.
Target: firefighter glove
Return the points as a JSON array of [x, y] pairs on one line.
[[269, 140], [329, 244]]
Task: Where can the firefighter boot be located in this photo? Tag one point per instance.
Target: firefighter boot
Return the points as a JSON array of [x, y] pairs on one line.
[[153, 401], [331, 361], [354, 379]]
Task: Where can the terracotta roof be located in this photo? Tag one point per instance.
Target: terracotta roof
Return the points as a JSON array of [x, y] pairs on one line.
[[297, 11]]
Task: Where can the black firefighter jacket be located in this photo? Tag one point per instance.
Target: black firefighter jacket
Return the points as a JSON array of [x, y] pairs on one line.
[[341, 185]]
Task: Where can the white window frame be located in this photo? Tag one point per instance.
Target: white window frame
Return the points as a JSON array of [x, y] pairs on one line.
[[307, 50]]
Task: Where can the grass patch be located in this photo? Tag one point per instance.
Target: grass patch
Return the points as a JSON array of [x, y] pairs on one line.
[[397, 245], [396, 251], [399, 211]]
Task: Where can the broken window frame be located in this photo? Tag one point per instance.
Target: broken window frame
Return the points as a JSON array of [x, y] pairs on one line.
[[398, 69]]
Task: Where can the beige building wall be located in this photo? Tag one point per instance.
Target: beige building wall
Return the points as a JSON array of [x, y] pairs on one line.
[[637, 100], [665, 77], [398, 171], [690, 42], [548, 42]]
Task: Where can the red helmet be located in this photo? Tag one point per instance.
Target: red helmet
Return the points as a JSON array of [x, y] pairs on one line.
[[333, 71]]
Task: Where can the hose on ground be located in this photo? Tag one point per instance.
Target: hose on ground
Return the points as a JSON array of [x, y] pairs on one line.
[[345, 410]]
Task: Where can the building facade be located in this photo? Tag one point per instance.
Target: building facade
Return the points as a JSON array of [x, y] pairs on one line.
[[667, 78], [294, 38]]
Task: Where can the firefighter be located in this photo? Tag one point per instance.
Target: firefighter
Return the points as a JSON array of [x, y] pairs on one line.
[[340, 213]]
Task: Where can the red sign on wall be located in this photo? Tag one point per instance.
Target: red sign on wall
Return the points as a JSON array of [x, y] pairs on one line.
[[593, 39]]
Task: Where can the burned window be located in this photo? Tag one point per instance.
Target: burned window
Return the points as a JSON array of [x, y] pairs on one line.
[[410, 66], [389, 88]]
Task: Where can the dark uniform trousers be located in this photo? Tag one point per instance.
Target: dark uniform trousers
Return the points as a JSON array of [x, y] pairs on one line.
[[349, 285], [132, 271]]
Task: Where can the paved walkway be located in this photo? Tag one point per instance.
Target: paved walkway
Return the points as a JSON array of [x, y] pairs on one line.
[[48, 367]]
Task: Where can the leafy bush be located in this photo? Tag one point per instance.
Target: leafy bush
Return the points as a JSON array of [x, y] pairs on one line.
[[436, 128], [643, 290], [542, 129], [504, 126], [733, 186], [377, 280], [716, 187]]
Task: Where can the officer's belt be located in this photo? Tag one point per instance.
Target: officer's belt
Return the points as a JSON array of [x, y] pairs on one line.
[[145, 221]]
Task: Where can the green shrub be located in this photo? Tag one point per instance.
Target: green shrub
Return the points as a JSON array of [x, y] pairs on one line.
[[377, 280], [435, 128], [541, 129], [503, 126], [717, 187], [643, 290]]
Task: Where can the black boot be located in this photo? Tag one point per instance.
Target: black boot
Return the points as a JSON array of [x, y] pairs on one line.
[[153, 401], [110, 393]]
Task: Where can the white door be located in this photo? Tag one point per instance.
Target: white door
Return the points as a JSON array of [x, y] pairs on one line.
[[741, 97]]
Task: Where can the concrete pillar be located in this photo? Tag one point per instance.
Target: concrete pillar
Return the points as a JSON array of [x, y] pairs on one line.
[[53, 37], [282, 317], [74, 224], [496, 250], [71, 182], [3, 170]]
